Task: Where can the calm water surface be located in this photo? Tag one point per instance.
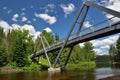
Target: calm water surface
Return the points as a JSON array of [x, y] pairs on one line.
[[99, 73]]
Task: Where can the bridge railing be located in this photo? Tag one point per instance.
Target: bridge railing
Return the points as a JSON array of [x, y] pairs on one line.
[[100, 25]]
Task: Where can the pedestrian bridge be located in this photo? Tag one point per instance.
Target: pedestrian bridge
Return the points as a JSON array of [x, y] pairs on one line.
[[104, 28]]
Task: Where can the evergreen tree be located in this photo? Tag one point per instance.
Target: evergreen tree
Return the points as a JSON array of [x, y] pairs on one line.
[[118, 49], [113, 53], [56, 37], [2, 48], [20, 56], [88, 51]]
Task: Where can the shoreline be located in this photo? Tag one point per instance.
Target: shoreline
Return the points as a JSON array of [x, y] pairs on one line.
[[116, 77]]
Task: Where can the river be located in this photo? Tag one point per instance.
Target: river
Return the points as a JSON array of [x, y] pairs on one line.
[[99, 73]]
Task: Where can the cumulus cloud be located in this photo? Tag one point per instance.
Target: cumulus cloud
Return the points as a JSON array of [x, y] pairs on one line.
[[52, 6], [102, 46], [107, 41], [4, 7], [49, 19], [24, 19], [114, 5], [48, 29], [68, 9], [23, 9], [87, 24], [101, 51], [34, 19], [6, 27], [15, 16], [81, 44]]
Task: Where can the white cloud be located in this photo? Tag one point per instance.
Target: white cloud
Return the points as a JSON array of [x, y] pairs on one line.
[[105, 47], [100, 51], [46, 11], [52, 6], [81, 44], [5, 26], [15, 16], [102, 46], [49, 19], [24, 19], [107, 41], [68, 9], [29, 22], [23, 9], [114, 5], [87, 24], [4, 7], [9, 11], [48, 29], [22, 14], [34, 19], [30, 28]]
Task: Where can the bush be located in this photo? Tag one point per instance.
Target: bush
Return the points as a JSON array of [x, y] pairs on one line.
[[82, 66], [32, 67], [12, 65]]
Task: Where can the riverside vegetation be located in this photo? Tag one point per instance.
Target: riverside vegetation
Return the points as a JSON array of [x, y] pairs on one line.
[[17, 45]]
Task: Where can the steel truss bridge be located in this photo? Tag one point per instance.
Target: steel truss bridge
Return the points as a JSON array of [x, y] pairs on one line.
[[101, 29]]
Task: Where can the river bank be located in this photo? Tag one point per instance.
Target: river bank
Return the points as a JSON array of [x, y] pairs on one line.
[[117, 77]]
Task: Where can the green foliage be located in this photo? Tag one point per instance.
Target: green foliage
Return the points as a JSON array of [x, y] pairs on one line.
[[102, 58], [2, 48], [49, 37], [20, 55], [112, 53], [118, 50], [2, 55], [85, 53], [57, 37], [43, 61], [88, 51], [12, 65], [34, 67], [103, 61], [82, 66]]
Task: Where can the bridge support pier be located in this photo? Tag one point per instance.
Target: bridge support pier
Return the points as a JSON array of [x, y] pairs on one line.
[[54, 69]]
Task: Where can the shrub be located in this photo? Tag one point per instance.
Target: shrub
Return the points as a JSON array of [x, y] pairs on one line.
[[32, 67], [12, 65], [82, 66]]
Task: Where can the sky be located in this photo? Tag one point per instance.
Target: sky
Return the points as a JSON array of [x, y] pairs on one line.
[[55, 16]]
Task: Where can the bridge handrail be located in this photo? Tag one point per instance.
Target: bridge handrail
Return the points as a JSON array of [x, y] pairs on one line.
[[74, 34]]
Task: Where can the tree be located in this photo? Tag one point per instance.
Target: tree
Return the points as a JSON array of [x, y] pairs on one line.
[[57, 37], [49, 36], [88, 51], [20, 56], [118, 50], [2, 48], [112, 53]]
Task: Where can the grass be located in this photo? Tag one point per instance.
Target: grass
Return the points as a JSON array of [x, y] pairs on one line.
[[82, 66]]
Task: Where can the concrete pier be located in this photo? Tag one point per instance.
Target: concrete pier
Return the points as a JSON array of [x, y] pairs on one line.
[[54, 69]]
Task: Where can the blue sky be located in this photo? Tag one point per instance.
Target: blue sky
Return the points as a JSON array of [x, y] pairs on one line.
[[54, 16]]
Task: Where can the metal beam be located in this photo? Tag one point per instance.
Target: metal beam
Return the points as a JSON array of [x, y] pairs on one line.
[[68, 56], [110, 11], [45, 52], [69, 33], [108, 30], [83, 19]]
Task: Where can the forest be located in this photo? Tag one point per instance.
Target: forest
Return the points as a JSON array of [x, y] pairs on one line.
[[17, 45]]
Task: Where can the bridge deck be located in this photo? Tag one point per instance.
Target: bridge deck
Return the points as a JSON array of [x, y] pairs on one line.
[[106, 31]]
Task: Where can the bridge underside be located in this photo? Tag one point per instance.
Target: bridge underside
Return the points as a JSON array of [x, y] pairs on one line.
[[109, 30]]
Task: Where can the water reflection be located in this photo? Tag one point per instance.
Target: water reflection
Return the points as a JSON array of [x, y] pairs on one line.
[[69, 75]]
